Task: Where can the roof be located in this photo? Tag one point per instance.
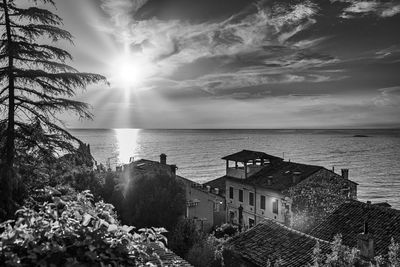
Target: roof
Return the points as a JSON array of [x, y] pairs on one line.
[[218, 183], [246, 155], [270, 240], [281, 175], [348, 220], [144, 165], [167, 257]]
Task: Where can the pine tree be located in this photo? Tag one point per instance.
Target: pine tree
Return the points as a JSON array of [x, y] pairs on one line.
[[36, 84]]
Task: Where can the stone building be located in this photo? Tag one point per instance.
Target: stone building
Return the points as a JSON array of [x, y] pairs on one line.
[[255, 184]]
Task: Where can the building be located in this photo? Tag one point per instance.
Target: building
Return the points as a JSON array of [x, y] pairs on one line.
[[270, 241], [376, 224], [255, 184], [205, 205]]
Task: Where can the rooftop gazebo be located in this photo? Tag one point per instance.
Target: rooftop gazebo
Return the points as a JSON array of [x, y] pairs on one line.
[[248, 162]]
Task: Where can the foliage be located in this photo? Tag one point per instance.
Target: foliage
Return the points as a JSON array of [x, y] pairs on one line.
[[339, 256], [184, 236], [72, 230], [315, 199], [37, 85], [226, 230], [206, 253], [394, 253], [154, 200]]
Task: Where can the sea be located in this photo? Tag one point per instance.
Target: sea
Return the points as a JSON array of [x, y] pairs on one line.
[[372, 156]]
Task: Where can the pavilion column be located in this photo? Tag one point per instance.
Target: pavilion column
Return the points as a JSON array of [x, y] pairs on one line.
[[227, 166], [245, 169]]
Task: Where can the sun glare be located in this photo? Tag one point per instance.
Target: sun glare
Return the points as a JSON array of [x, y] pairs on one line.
[[127, 140], [127, 72]]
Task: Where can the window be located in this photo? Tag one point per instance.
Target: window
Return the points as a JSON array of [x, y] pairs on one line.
[[240, 195], [262, 202], [251, 222], [231, 192], [251, 198], [275, 206]]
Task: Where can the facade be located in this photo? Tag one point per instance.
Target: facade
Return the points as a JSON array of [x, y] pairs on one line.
[[204, 205], [255, 184]]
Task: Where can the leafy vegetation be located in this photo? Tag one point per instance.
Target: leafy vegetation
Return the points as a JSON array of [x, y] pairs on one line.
[[207, 252], [153, 200], [73, 230]]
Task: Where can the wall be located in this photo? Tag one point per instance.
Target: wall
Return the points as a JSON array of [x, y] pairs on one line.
[[210, 209], [254, 212]]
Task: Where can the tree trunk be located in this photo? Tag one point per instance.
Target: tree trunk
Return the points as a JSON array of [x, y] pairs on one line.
[[10, 133]]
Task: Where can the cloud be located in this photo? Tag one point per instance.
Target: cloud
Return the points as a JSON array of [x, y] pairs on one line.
[[389, 97], [259, 39], [381, 9]]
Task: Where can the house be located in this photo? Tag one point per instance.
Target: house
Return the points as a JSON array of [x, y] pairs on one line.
[[271, 241], [204, 205], [378, 222], [255, 184]]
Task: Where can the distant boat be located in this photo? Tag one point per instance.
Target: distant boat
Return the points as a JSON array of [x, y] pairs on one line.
[[360, 135]]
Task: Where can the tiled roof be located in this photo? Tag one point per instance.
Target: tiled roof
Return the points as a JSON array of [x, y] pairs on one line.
[[348, 220], [168, 258], [218, 183], [246, 155], [281, 175], [270, 240]]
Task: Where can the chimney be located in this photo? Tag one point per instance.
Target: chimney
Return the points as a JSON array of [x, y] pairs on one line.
[[208, 188], [296, 177], [345, 173], [173, 169], [216, 190], [163, 159], [365, 243]]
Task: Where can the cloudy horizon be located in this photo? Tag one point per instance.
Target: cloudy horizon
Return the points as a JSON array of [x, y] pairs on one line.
[[238, 63]]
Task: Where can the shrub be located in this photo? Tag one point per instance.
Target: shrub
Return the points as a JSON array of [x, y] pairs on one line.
[[183, 237], [73, 230], [206, 253]]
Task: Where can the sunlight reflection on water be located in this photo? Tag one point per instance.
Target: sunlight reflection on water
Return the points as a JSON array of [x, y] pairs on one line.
[[127, 141]]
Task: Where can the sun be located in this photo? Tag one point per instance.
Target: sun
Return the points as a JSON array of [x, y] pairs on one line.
[[127, 72]]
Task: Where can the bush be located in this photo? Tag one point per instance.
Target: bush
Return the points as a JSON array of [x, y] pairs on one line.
[[72, 230], [184, 236], [154, 200], [226, 230], [206, 253]]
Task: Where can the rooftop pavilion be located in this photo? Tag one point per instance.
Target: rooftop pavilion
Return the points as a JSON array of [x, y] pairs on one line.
[[247, 163]]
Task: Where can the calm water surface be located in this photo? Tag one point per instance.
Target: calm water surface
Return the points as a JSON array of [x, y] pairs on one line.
[[374, 161]]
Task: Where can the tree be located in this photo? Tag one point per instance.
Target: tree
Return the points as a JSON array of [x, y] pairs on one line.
[[36, 84], [184, 236], [154, 200]]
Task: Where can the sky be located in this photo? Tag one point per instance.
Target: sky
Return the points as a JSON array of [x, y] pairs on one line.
[[237, 63]]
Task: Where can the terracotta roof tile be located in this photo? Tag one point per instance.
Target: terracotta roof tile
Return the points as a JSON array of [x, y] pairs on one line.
[[270, 240], [348, 220]]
